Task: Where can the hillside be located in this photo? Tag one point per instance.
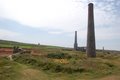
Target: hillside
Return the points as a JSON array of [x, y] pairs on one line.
[[56, 63], [6, 43], [9, 44]]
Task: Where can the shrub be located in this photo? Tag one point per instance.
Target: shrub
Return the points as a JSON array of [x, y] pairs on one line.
[[31, 61], [109, 64], [47, 66], [79, 69], [57, 68], [58, 55]]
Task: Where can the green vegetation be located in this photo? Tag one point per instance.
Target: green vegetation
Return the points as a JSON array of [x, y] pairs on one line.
[[9, 44], [58, 63], [8, 70], [58, 55]]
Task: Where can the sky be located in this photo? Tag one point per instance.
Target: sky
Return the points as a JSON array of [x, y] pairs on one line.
[[53, 22]]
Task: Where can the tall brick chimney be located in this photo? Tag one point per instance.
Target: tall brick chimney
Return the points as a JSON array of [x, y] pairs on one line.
[[75, 43], [91, 46]]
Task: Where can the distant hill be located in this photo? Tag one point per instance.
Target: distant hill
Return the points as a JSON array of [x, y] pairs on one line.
[[6, 43], [9, 44]]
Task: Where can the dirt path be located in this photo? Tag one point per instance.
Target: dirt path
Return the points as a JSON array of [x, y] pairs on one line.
[[28, 73], [32, 74]]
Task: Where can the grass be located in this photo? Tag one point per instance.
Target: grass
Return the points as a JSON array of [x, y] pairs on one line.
[[91, 68], [59, 63], [10, 44], [8, 70], [28, 67], [16, 71]]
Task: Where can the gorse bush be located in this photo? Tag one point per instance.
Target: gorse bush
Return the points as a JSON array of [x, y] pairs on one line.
[[58, 55], [110, 65], [46, 64], [79, 65]]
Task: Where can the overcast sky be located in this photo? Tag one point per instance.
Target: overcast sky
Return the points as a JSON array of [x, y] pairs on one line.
[[53, 22]]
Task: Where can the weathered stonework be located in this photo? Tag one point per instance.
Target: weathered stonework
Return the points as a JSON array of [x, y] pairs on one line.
[[91, 46], [75, 43]]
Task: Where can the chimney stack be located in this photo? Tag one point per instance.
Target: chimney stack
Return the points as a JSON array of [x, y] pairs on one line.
[[91, 46], [75, 43]]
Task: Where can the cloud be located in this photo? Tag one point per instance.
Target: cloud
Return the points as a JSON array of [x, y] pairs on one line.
[[55, 32], [59, 17], [66, 15], [6, 34], [107, 34], [63, 15], [54, 14], [111, 6]]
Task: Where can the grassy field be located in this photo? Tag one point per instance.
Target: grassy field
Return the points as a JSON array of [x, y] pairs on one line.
[[56, 63], [9, 44]]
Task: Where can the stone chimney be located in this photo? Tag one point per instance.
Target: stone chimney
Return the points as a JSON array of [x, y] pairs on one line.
[[75, 43], [91, 46]]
